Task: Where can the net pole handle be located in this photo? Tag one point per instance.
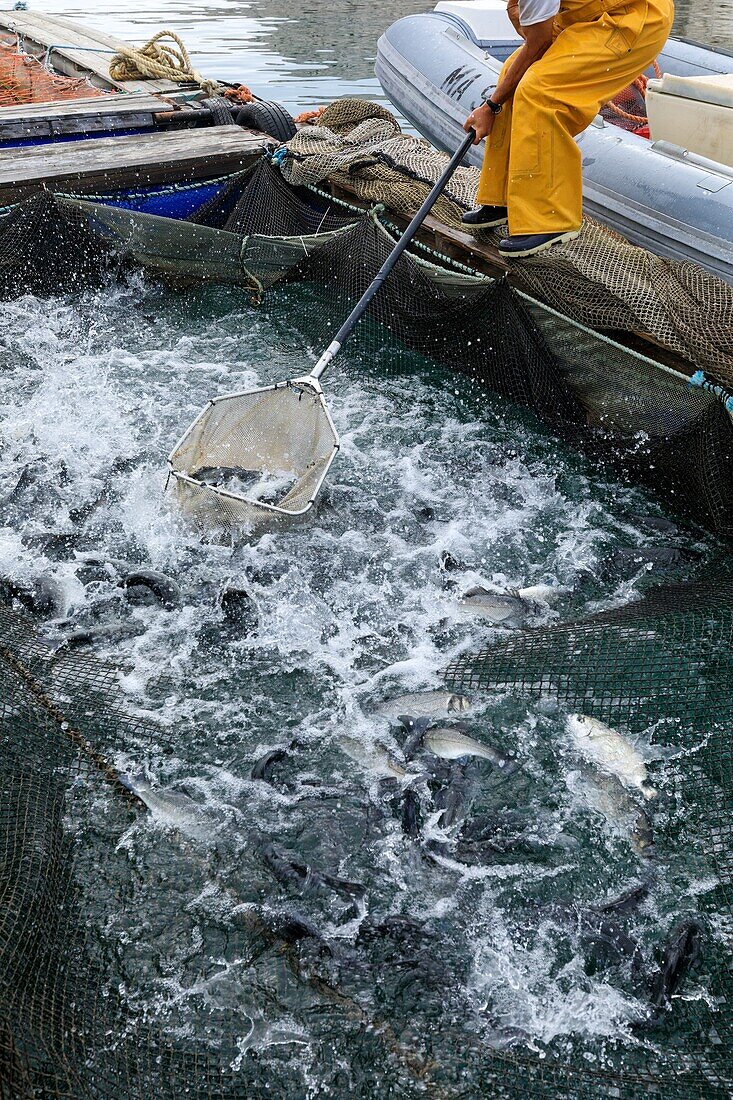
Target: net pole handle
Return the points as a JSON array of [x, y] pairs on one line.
[[361, 306]]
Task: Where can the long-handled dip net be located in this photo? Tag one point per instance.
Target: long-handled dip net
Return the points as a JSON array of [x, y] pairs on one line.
[[258, 458]]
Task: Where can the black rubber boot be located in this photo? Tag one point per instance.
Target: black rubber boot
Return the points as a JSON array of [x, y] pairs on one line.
[[485, 217], [532, 243]]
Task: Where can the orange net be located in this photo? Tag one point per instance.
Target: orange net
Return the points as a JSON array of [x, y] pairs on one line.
[[240, 94], [24, 79], [628, 97], [309, 116]]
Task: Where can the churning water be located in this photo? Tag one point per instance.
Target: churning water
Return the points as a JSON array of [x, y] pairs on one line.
[[417, 957]]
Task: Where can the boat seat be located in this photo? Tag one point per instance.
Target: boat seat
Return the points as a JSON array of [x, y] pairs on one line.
[[484, 21], [695, 112]]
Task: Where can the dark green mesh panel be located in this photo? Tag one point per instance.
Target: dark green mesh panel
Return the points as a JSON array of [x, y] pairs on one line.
[[269, 206], [43, 253], [664, 663], [65, 1031]]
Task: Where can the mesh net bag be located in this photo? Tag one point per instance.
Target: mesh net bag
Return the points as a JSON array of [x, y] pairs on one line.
[[284, 429]]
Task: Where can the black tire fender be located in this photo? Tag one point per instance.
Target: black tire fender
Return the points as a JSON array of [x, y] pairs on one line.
[[221, 110], [270, 118]]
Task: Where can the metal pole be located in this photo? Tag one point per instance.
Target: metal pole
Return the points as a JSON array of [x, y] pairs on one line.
[[361, 306]]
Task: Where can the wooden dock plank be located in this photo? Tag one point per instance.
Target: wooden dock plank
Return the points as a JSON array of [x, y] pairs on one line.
[[111, 112], [137, 160], [84, 48], [115, 101]]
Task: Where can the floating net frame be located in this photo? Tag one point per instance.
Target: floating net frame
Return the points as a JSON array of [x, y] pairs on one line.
[[298, 436]]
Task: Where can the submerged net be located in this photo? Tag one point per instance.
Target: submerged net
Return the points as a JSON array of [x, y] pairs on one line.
[[598, 278], [72, 1021], [71, 1024]]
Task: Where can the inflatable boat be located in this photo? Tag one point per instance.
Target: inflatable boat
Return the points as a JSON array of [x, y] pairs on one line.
[[667, 186]]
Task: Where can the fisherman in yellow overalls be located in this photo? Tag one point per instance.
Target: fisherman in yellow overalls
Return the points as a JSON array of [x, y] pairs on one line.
[[576, 55]]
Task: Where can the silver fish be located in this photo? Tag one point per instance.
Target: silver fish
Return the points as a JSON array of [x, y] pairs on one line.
[[541, 593], [452, 744], [172, 808], [511, 608], [265, 485], [500, 608], [424, 704], [220, 476], [373, 757], [609, 751], [605, 795], [163, 588]]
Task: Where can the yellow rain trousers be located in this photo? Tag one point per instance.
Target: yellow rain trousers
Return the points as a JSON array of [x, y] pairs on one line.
[[532, 165]]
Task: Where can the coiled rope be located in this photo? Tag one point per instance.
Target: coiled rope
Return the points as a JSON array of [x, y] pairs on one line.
[[157, 60]]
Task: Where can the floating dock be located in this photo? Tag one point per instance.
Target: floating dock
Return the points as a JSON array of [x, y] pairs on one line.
[[148, 132], [82, 52], [138, 160]]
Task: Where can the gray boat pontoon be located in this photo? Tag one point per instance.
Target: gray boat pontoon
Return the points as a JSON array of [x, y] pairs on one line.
[[671, 193]]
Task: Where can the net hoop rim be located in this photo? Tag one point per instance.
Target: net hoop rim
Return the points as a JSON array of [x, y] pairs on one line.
[[240, 498]]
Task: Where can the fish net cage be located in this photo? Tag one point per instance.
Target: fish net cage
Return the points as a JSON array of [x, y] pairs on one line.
[[598, 279], [639, 417], [71, 1025]]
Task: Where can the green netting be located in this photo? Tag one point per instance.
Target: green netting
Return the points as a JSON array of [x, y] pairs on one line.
[[70, 1024], [599, 278], [664, 663]]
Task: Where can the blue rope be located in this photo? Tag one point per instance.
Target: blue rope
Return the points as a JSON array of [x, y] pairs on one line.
[[279, 155], [699, 379]]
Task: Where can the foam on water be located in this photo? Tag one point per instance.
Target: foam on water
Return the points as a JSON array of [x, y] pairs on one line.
[[352, 609]]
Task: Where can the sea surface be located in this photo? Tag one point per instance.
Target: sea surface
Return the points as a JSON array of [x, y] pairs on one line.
[[414, 965]]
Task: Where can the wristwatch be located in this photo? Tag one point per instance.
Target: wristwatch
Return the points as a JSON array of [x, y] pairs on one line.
[[495, 108]]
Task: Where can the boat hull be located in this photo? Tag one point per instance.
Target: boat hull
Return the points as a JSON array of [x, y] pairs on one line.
[[657, 195]]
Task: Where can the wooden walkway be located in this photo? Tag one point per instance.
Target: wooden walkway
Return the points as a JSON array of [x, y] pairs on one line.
[[78, 51], [115, 111], [106, 164]]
